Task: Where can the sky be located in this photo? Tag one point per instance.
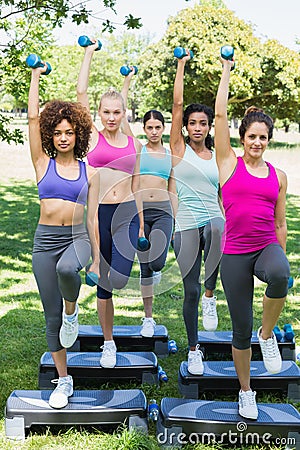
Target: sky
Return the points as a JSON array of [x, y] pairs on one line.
[[273, 19]]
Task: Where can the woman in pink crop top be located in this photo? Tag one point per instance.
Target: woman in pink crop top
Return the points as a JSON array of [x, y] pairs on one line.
[[120, 212], [63, 244], [254, 241]]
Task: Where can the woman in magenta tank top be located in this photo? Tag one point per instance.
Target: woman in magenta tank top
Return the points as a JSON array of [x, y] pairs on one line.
[[116, 156], [254, 240], [63, 242]]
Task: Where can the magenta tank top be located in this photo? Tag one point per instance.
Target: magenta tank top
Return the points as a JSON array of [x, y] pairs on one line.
[[52, 185], [249, 204], [119, 158]]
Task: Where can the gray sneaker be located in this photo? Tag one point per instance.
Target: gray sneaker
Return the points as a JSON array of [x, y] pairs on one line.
[[64, 389], [69, 330], [247, 405]]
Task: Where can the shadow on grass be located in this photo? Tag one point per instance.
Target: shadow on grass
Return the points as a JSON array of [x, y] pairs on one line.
[[19, 216]]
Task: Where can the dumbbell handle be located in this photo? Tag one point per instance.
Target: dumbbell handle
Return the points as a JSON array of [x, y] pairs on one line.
[[125, 70], [33, 61], [180, 52], [84, 41]]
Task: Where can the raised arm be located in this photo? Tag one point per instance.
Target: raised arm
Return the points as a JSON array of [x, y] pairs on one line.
[[38, 156], [84, 73], [177, 144], [92, 218], [226, 158], [124, 92]]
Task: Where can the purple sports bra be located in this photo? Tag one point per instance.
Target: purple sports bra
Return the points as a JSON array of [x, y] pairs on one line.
[[52, 185], [119, 158]]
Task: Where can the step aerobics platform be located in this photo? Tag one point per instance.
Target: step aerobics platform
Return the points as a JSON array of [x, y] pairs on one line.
[[220, 342], [85, 368], [26, 408], [127, 338], [221, 376], [183, 421]]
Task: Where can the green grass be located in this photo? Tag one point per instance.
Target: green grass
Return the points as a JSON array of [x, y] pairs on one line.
[[22, 326]]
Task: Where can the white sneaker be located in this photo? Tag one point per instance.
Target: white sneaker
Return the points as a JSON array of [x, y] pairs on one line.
[[209, 313], [270, 352], [247, 404], [148, 327], [108, 358], [156, 277], [195, 364], [64, 389], [69, 330]]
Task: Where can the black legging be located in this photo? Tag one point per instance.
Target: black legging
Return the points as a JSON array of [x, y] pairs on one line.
[[158, 226], [237, 274], [188, 247]]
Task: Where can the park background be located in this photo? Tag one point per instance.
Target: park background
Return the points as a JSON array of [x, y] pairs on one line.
[[267, 74]]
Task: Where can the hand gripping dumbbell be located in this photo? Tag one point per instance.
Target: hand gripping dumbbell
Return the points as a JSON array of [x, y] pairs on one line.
[[125, 70], [84, 41], [143, 244], [34, 61], [180, 52], [227, 52], [91, 278]]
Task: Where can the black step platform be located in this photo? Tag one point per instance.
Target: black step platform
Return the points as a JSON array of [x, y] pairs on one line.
[[85, 368], [196, 421], [26, 408], [221, 376], [220, 342], [127, 337]]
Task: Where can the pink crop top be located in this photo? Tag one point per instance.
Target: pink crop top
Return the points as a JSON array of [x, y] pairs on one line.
[[249, 204], [119, 158]]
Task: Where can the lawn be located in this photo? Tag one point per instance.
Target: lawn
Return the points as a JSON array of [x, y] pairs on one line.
[[22, 326]]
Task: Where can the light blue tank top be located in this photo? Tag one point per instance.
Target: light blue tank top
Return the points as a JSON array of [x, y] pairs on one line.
[[197, 182], [159, 167]]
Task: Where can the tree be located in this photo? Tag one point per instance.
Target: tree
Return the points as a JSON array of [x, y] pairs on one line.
[[19, 23], [265, 73]]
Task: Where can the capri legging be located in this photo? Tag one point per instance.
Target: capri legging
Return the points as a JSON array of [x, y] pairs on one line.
[[119, 229], [237, 274], [158, 226], [188, 247], [59, 253]]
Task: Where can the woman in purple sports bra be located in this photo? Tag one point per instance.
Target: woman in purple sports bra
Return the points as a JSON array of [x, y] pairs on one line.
[[254, 241], [63, 244], [116, 156]]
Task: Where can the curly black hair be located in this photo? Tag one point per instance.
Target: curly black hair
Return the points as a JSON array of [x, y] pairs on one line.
[[198, 107], [76, 114]]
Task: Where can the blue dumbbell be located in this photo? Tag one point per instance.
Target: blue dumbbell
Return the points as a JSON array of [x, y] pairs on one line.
[[34, 61], [84, 41], [288, 332], [125, 70], [143, 244], [172, 346], [227, 52], [290, 282], [91, 278], [180, 52], [278, 333]]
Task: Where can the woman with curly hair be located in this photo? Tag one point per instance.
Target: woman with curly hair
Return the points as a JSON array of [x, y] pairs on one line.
[[199, 219], [58, 141], [117, 157]]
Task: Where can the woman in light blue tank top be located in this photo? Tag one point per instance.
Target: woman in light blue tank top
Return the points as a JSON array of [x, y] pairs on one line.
[[159, 205], [199, 220]]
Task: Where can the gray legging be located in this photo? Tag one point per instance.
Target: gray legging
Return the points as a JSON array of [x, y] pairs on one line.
[[158, 226], [59, 253], [188, 247], [237, 274]]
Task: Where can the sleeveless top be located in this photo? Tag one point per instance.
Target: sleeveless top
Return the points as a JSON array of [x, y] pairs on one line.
[[52, 185], [151, 165], [197, 182], [119, 158], [249, 204]]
